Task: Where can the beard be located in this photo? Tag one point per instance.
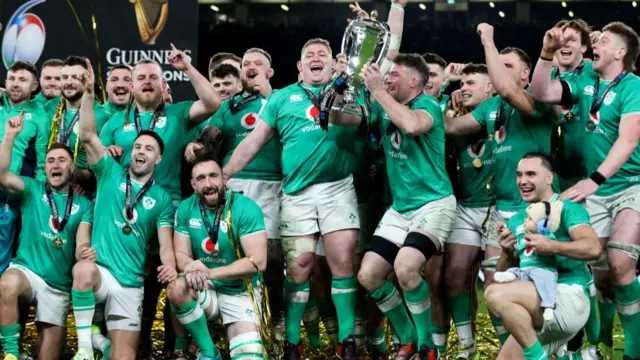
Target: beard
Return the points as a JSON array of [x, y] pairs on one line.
[[74, 97], [211, 196], [152, 102]]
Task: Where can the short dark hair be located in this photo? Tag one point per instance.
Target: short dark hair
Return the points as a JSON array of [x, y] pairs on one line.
[[75, 60], [147, 62], [121, 67], [259, 51], [416, 62], [24, 65], [56, 146], [475, 69], [52, 63], [580, 26], [218, 58], [433, 58], [224, 70], [545, 159], [154, 135], [521, 54], [630, 38]]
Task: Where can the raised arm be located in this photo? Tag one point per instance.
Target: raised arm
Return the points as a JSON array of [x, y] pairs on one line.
[[505, 85], [10, 182], [462, 125], [543, 88], [396, 23], [209, 101], [411, 122], [87, 128]]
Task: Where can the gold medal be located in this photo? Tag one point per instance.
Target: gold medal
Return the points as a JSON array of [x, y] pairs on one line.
[[569, 116], [57, 242], [215, 254], [591, 125], [477, 163], [126, 230]]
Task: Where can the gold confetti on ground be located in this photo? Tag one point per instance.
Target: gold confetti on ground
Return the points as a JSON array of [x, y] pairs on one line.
[[487, 342]]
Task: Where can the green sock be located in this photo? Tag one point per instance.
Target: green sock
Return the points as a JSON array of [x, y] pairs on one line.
[[502, 333], [182, 344], [195, 322], [298, 298], [378, 340], [311, 319], [419, 304], [105, 352], [535, 352], [344, 293], [9, 336], [592, 327], [360, 330], [390, 303], [628, 307], [607, 311], [84, 305], [461, 313], [440, 337]]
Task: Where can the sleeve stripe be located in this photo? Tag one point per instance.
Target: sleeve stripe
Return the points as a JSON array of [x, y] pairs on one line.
[[629, 114], [255, 232], [86, 222], [162, 225], [576, 225], [181, 232]]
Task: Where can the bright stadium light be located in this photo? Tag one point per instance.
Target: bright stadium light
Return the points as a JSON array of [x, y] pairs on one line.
[[422, 7], [284, 7], [501, 14], [214, 8], [491, 4], [570, 13], [634, 4], [564, 4]]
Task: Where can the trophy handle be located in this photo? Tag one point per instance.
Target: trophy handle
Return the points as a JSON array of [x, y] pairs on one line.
[[386, 41]]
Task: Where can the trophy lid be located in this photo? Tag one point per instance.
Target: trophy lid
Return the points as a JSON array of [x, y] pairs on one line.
[[374, 14]]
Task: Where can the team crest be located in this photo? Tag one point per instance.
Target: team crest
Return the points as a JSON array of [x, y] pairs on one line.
[[209, 247], [76, 127], [135, 216], [148, 203], [162, 121], [128, 127], [74, 209], [474, 152], [27, 116], [312, 113], [609, 98], [249, 121], [396, 139], [501, 134], [594, 120], [493, 115], [589, 90], [223, 226]]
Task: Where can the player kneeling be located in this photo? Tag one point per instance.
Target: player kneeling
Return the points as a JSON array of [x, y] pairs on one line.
[[221, 247]]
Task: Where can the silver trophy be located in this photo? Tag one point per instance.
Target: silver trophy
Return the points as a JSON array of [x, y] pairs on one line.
[[365, 41]]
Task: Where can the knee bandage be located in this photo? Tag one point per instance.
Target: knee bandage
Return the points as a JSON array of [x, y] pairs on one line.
[[293, 247], [490, 263], [632, 250], [246, 346]]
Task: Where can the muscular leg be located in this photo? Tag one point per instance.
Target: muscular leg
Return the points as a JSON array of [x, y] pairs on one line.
[[124, 344], [14, 288], [300, 256], [53, 340], [460, 260], [626, 231], [340, 249], [518, 305], [489, 268], [86, 281], [190, 314], [408, 265], [372, 275], [434, 275]]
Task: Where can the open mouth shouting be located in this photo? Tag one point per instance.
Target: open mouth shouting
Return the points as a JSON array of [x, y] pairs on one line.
[[140, 160], [316, 68], [527, 191], [121, 92], [252, 74]]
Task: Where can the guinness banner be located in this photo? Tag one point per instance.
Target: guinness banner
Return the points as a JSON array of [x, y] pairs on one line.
[[127, 31]]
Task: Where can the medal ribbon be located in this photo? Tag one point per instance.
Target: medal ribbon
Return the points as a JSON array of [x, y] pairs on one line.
[[64, 135], [54, 209], [315, 100], [156, 114], [595, 106], [129, 205], [392, 127], [212, 231], [235, 107]]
